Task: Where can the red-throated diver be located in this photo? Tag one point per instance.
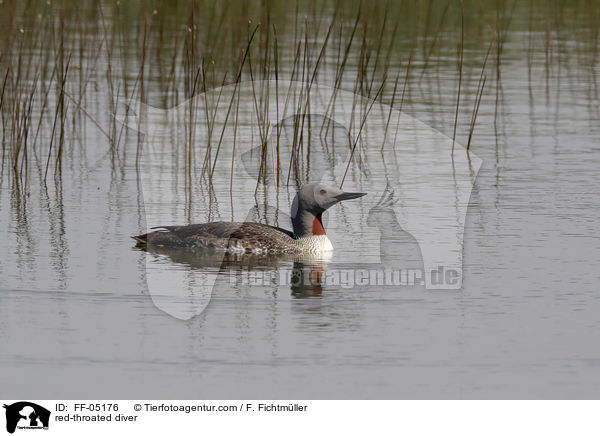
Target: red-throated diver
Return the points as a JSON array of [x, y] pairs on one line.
[[308, 234]]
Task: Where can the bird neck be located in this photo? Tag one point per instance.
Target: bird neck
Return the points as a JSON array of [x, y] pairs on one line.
[[307, 224]]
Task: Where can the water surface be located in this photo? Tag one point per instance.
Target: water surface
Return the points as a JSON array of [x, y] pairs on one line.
[[78, 320]]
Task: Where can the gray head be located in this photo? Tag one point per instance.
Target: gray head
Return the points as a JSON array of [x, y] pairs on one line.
[[311, 201], [317, 197]]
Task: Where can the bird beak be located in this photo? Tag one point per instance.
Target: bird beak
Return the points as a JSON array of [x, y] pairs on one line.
[[349, 195]]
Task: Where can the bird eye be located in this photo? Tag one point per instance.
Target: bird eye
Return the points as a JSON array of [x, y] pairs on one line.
[[323, 192]]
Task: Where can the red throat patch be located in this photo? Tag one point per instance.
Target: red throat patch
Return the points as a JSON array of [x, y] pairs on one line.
[[318, 229]]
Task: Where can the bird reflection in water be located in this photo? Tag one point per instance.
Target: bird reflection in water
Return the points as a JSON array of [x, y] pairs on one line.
[[305, 279], [202, 258]]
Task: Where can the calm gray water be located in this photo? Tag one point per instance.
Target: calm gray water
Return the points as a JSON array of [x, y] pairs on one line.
[[77, 317]]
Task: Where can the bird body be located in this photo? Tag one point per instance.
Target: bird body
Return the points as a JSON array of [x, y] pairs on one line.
[[235, 237], [308, 235]]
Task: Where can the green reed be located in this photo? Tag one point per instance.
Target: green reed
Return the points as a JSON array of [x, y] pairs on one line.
[[54, 54]]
